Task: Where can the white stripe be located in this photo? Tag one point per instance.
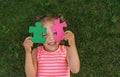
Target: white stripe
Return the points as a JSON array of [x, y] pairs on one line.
[[55, 64], [56, 71], [59, 58]]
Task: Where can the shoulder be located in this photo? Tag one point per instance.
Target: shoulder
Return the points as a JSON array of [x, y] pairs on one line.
[[37, 50], [62, 47]]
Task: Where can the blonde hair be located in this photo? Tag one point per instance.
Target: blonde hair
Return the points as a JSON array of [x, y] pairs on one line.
[[49, 17]]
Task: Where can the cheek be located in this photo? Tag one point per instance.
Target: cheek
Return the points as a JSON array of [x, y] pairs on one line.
[[45, 44], [46, 39], [57, 43]]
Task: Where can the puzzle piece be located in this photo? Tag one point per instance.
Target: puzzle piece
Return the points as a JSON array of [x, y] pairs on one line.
[[38, 32], [58, 27]]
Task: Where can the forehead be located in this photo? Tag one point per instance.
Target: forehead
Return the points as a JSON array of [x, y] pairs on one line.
[[47, 25]]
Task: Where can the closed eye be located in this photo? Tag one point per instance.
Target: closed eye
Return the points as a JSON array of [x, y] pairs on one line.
[[44, 35], [54, 33]]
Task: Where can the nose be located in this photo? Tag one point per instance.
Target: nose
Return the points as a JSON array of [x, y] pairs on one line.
[[51, 37]]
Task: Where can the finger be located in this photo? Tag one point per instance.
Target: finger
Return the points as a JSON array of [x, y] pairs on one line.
[[28, 38], [66, 37], [27, 42], [68, 31], [31, 45]]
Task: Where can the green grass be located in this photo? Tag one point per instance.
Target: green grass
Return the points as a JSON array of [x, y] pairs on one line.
[[95, 23]]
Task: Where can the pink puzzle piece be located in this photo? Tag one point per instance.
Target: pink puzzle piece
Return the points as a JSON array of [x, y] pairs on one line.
[[58, 28]]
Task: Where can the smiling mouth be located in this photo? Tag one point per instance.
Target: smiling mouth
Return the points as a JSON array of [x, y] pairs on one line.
[[52, 43]]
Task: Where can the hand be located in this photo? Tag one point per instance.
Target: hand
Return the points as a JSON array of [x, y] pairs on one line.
[[70, 37], [28, 44]]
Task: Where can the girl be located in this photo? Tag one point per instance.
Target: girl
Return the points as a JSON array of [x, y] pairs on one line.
[[51, 59]]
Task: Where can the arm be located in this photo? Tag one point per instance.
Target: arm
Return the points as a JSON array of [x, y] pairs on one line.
[[72, 53], [30, 61]]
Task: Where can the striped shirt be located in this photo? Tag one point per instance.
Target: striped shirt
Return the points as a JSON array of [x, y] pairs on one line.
[[52, 64]]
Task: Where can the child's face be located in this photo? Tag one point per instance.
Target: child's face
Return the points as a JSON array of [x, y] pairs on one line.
[[51, 44]]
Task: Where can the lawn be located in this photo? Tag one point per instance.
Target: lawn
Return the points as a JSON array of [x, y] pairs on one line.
[[95, 23]]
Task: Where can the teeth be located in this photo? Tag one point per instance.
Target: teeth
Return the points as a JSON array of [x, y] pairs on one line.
[[52, 43]]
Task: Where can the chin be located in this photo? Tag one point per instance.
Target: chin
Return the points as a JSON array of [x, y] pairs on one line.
[[51, 49]]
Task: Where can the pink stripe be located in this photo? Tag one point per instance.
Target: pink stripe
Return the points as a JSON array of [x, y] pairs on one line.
[[52, 65], [53, 74], [52, 68], [53, 62], [62, 71], [52, 58]]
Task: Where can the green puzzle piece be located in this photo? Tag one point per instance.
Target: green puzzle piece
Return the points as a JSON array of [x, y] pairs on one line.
[[38, 32]]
